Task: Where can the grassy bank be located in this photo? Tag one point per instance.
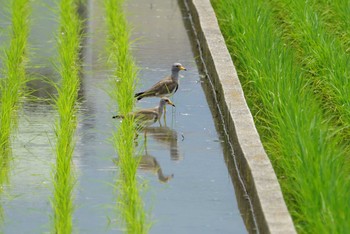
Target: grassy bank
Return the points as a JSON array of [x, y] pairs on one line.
[[298, 133], [130, 205], [66, 103], [336, 15], [320, 53]]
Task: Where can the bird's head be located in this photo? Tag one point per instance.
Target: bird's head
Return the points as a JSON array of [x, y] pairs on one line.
[[166, 100], [177, 67]]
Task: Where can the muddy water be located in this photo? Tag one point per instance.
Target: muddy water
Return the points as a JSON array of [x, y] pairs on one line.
[[189, 189]]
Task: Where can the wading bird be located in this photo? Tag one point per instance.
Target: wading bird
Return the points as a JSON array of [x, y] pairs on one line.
[[165, 87], [147, 117]]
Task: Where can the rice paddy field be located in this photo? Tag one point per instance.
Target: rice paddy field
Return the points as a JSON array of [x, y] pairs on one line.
[[293, 61], [67, 67]]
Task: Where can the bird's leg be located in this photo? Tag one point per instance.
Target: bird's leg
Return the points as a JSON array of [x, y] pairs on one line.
[[160, 122], [145, 147], [145, 136]]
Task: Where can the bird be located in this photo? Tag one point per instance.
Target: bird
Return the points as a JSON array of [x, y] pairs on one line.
[[165, 87], [147, 117]]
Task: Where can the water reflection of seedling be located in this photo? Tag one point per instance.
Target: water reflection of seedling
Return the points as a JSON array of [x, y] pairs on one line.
[[5, 158]]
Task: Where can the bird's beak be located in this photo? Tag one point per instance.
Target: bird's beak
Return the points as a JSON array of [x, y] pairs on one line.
[[170, 103], [183, 68]]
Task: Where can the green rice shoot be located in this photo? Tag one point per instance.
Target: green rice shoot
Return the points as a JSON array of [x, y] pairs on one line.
[[69, 40], [130, 206]]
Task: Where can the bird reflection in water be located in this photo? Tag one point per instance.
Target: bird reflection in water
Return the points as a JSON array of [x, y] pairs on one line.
[[149, 163], [168, 137]]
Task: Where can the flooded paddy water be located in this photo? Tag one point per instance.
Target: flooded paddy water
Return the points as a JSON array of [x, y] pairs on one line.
[[188, 186]]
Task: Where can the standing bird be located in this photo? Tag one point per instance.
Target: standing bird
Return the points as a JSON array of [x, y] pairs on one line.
[[165, 87], [147, 117]]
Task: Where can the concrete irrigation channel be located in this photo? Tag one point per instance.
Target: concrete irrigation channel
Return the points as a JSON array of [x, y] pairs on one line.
[[254, 167], [205, 170]]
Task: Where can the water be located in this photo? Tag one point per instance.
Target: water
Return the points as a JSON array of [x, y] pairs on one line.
[[200, 197], [189, 188]]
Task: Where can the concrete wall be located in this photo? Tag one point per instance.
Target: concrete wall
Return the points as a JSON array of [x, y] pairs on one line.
[[269, 208]]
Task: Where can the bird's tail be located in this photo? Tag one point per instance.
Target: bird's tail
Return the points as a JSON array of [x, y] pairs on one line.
[[118, 117], [139, 95]]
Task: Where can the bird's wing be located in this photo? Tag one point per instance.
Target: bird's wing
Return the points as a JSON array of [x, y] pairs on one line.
[[165, 86], [145, 115]]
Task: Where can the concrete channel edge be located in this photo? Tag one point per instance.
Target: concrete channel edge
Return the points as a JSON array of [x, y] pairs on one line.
[[255, 168]]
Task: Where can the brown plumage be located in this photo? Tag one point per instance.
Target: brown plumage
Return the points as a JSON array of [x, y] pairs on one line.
[[165, 87], [147, 117]]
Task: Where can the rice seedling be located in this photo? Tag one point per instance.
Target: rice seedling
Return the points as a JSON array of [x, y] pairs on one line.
[[66, 103], [307, 152], [129, 204], [12, 84]]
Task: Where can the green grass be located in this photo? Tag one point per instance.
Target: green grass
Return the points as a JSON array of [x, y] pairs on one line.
[[300, 136], [68, 40], [321, 54], [336, 15], [130, 205]]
